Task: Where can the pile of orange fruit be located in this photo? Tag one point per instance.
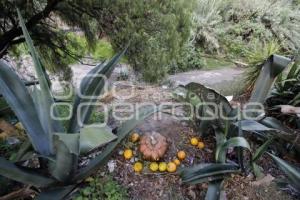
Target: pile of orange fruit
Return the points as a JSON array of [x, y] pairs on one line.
[[161, 166], [197, 142]]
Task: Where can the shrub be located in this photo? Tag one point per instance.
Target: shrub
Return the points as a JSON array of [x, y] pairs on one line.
[[188, 59], [103, 50], [229, 26], [256, 56], [157, 30]]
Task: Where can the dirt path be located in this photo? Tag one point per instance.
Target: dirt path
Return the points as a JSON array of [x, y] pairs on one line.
[[228, 81], [211, 77]]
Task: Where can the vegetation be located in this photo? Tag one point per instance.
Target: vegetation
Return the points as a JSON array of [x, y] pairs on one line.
[[58, 150], [286, 92], [63, 154], [102, 188], [157, 31], [256, 57], [231, 26], [229, 132]]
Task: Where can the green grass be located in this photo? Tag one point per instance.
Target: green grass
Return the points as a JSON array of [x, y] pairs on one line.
[[214, 63]]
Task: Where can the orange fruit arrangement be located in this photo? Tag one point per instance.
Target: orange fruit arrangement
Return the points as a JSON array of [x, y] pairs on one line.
[[171, 167], [201, 145], [128, 154], [176, 161], [194, 141], [162, 166], [138, 167], [181, 155]]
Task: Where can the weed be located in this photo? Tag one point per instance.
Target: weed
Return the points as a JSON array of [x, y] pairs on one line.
[[102, 188]]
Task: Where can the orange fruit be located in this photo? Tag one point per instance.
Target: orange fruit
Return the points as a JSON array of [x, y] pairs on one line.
[[201, 145], [135, 137], [194, 141], [171, 167], [176, 161], [162, 166], [181, 155], [128, 154], [153, 166], [138, 167]]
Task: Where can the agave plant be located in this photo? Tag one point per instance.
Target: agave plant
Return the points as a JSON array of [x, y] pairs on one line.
[[58, 151], [286, 91], [229, 129], [215, 173], [256, 57]]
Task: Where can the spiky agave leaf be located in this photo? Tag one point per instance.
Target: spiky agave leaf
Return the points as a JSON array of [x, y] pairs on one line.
[[44, 97], [91, 87], [232, 142], [207, 172], [24, 175], [20, 101], [122, 131], [292, 173]]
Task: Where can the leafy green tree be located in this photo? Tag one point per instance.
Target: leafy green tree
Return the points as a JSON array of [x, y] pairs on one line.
[[156, 30], [44, 19]]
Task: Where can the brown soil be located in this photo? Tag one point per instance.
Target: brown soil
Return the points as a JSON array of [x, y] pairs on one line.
[[149, 185]]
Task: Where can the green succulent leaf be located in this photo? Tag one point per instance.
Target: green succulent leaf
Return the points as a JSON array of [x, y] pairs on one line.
[[214, 190], [23, 150], [271, 69], [122, 132], [274, 123], [66, 155], [294, 70], [92, 137], [257, 171], [92, 86], [232, 142], [251, 125], [23, 175], [207, 172], [262, 149], [20, 101], [292, 173], [46, 99], [209, 95], [57, 193]]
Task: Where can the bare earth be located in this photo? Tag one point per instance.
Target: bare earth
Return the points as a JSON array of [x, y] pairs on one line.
[[156, 186]]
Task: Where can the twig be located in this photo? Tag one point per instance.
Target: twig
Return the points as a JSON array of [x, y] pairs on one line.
[[22, 193]]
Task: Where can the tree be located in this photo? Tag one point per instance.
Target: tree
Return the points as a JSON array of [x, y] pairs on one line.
[[156, 29], [42, 19]]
